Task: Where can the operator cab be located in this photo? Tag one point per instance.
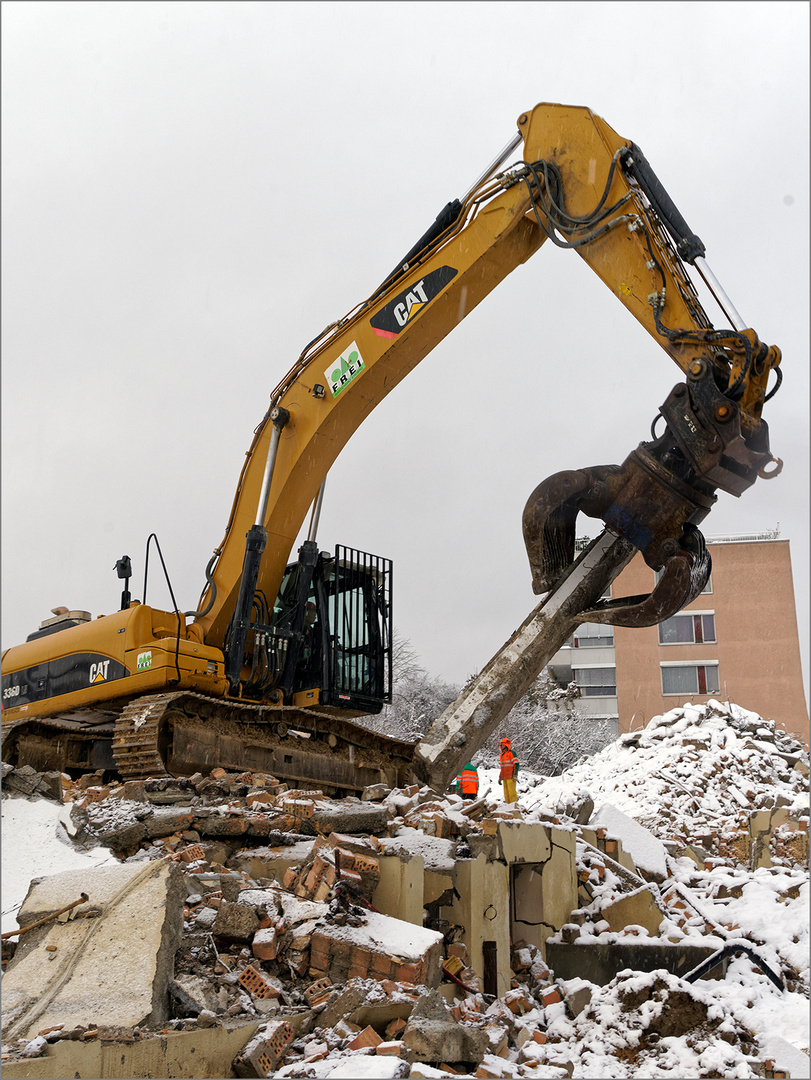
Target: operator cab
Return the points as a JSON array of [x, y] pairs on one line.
[[328, 637]]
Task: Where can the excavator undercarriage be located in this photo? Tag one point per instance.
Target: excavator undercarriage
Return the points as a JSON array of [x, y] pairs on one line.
[[178, 734]]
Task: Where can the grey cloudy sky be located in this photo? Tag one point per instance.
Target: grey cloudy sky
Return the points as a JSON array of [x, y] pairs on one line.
[[192, 191]]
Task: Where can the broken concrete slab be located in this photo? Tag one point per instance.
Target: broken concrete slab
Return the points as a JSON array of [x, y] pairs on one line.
[[193, 995], [185, 1055], [346, 817], [649, 855], [400, 889], [432, 1034], [638, 908], [112, 969], [271, 862], [235, 922]]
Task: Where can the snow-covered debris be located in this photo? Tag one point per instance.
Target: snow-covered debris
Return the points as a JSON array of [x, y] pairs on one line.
[[684, 838], [648, 853], [695, 771]]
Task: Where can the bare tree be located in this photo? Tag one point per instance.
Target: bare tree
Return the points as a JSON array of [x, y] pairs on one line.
[[547, 731], [417, 697]]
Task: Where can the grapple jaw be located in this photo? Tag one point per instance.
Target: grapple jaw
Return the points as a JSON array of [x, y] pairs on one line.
[[682, 581], [644, 501]]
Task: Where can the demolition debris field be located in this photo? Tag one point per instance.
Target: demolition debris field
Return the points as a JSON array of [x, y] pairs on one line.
[[656, 920]]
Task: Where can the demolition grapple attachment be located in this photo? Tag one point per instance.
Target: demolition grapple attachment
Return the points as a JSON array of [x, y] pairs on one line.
[[655, 500]]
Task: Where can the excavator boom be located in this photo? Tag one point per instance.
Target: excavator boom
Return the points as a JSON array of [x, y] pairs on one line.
[[578, 184]]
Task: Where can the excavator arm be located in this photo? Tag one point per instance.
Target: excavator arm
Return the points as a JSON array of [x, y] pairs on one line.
[[578, 184]]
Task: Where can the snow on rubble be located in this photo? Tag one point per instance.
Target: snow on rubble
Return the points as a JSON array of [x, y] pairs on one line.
[[689, 834], [694, 766]]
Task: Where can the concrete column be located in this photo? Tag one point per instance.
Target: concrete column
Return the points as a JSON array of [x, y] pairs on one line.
[[484, 911], [399, 892]]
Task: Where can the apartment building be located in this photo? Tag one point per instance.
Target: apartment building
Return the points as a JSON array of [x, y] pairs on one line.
[[737, 641]]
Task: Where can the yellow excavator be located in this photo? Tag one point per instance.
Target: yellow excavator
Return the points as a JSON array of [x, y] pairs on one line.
[[279, 657]]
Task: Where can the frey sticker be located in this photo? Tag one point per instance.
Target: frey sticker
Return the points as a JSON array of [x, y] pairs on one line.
[[144, 661], [342, 371]]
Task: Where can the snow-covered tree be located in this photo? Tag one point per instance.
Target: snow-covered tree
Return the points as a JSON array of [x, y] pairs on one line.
[[417, 697], [547, 730]]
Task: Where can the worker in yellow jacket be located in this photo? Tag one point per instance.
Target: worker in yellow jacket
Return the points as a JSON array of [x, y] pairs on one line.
[[509, 771]]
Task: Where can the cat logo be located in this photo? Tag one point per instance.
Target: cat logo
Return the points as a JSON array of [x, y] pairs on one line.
[[399, 312], [413, 299], [98, 672]]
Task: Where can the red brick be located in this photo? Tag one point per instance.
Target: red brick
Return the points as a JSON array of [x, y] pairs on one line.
[[290, 876], [364, 863], [319, 951], [323, 891], [264, 1052], [381, 967], [550, 997], [316, 990], [347, 858], [264, 944], [256, 984], [312, 879], [367, 1037], [192, 853], [390, 1049], [359, 964], [395, 1028], [258, 798], [409, 972]]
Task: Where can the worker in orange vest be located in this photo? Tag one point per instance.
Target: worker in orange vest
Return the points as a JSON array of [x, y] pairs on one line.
[[467, 782], [509, 771]]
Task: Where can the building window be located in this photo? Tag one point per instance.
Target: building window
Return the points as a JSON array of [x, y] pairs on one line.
[[707, 588], [690, 678], [592, 636], [596, 681], [690, 628]]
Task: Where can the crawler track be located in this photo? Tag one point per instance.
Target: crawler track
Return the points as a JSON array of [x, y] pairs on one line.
[[183, 733]]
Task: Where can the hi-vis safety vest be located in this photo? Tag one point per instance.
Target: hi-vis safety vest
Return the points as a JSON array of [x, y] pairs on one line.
[[509, 764], [469, 780]]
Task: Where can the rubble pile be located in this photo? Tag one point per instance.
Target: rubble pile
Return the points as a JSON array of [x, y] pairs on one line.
[[694, 777], [316, 937]]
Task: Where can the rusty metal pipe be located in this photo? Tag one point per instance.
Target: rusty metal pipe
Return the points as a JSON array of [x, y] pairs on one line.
[[48, 918]]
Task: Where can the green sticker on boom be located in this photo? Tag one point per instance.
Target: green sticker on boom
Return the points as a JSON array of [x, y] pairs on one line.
[[342, 371]]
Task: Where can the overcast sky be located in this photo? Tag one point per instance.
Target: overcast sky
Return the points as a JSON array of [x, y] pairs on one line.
[[192, 191]]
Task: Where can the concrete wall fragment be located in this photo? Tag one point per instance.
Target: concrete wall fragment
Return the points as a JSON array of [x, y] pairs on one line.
[[113, 969]]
